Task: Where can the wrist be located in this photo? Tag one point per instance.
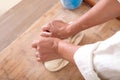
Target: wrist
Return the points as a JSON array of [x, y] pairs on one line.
[[74, 28], [66, 50], [56, 45]]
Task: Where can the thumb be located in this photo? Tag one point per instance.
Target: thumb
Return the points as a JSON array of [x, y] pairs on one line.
[[46, 29], [45, 34]]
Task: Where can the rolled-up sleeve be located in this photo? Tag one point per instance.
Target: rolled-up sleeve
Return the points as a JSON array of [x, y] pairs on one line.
[[100, 60], [84, 60]]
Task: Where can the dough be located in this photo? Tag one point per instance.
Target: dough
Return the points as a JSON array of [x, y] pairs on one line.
[[55, 65], [58, 64], [76, 39]]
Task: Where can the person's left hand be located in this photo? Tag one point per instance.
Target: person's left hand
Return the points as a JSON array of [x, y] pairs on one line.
[[46, 48], [57, 28]]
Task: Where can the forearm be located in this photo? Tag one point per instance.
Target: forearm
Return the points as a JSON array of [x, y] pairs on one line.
[[67, 50], [103, 11]]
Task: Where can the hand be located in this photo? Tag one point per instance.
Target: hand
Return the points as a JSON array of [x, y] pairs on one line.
[[47, 48], [56, 28]]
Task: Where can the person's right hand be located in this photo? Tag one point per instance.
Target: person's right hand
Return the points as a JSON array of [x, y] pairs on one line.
[[56, 28], [46, 48]]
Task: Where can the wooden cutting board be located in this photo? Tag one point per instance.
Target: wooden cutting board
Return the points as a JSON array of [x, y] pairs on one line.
[[18, 62]]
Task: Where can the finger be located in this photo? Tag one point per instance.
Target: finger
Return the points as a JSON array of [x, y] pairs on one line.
[[38, 59], [45, 34], [46, 29], [37, 54], [34, 44]]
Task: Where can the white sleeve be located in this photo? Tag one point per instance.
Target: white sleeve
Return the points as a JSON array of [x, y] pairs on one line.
[[84, 60], [100, 60]]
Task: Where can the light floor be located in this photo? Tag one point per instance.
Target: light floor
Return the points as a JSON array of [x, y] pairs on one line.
[[18, 15], [5, 5]]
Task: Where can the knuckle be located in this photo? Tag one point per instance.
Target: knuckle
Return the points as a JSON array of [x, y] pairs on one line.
[[38, 59], [38, 48], [39, 41]]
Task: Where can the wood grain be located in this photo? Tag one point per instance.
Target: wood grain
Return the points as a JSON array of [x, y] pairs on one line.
[[18, 62], [18, 19]]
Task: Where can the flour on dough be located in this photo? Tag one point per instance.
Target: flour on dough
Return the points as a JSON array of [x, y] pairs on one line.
[[55, 65]]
